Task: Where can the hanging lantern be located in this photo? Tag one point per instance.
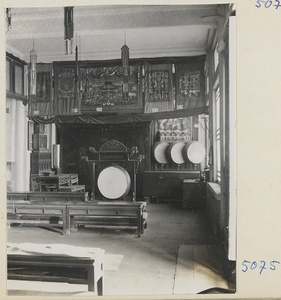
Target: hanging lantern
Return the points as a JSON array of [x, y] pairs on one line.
[[125, 60], [68, 29], [125, 66], [32, 72], [8, 19]]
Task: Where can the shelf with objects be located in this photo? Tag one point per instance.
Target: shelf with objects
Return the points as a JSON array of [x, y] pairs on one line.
[[178, 158], [45, 173]]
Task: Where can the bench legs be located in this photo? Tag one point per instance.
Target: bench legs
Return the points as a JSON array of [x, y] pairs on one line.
[[100, 287], [65, 227], [94, 285]]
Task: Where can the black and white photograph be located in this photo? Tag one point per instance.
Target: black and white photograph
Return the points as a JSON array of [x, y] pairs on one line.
[[120, 146]]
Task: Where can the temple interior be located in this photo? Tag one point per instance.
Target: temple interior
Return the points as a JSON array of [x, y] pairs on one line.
[[120, 150]]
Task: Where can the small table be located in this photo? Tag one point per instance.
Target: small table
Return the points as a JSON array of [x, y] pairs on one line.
[[54, 182], [57, 263]]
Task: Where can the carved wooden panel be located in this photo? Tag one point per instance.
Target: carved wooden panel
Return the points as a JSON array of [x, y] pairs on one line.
[[102, 89]]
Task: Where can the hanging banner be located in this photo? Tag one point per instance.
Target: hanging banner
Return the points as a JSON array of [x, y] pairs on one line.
[[66, 90], [190, 83], [158, 87]]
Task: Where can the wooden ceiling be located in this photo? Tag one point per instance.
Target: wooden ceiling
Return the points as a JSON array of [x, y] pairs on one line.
[[151, 31]]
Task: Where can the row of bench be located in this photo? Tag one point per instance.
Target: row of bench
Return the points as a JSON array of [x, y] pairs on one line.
[[68, 214], [49, 196]]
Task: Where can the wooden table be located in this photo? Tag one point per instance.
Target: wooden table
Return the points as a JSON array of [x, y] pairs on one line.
[[57, 263], [54, 182]]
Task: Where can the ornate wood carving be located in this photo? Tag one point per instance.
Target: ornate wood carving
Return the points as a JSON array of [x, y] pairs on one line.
[[102, 89], [113, 146]]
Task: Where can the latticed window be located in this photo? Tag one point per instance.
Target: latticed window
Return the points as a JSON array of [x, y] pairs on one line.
[[218, 135]]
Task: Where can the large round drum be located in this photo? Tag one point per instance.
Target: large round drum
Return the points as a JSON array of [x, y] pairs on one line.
[[159, 151], [114, 182], [194, 152], [174, 152]]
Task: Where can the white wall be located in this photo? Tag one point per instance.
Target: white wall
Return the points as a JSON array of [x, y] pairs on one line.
[[18, 156]]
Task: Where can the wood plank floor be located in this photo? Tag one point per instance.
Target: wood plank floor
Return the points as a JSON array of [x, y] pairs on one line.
[[195, 271], [159, 263]]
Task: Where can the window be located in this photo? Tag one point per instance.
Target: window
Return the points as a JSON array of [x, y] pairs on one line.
[[217, 136], [216, 59], [15, 77]]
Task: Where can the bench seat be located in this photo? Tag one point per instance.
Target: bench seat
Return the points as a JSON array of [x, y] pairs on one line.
[[37, 214], [62, 196], [70, 214], [107, 214]]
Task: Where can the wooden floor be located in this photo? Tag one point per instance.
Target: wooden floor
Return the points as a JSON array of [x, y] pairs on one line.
[[195, 265], [177, 255]]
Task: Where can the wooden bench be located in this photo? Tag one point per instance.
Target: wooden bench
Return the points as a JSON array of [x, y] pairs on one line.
[[58, 196], [105, 214], [52, 215], [49, 196], [17, 196], [57, 263], [67, 215]]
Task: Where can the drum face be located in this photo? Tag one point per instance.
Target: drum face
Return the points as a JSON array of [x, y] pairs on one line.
[[175, 152], [160, 152], [114, 182], [195, 152]]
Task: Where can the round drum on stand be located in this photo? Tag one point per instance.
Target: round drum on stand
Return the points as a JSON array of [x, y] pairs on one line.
[[114, 182], [159, 151], [174, 152], [194, 152]]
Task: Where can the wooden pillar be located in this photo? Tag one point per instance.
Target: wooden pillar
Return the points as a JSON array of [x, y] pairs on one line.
[[93, 179]]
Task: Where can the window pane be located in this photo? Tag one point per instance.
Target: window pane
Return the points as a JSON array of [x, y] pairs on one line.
[[18, 80], [216, 58], [218, 139], [8, 85]]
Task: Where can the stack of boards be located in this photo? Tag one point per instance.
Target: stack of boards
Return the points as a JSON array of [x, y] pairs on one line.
[[179, 152]]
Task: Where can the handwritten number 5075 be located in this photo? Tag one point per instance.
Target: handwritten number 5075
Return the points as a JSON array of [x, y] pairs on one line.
[[268, 3], [247, 265]]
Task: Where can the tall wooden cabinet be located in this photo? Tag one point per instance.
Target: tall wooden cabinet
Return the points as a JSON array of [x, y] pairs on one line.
[[41, 157]]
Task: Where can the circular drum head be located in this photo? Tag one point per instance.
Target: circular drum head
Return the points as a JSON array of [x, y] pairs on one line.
[[176, 152], [196, 152], [160, 152], [114, 182]]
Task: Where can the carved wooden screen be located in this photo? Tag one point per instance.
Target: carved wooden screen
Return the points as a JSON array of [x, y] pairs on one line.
[[102, 89]]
